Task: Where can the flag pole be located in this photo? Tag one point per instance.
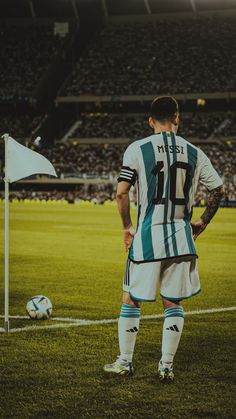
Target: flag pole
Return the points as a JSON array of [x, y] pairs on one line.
[[6, 295], [20, 162]]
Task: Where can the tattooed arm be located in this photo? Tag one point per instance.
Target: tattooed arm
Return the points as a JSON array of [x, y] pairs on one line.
[[213, 204], [122, 198]]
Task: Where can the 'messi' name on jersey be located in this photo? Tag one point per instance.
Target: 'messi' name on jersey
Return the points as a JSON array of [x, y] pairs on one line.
[[171, 148]]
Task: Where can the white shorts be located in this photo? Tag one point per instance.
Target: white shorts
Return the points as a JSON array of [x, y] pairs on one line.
[[177, 279]]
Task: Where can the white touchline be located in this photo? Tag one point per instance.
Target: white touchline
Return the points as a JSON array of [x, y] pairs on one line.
[[70, 322]]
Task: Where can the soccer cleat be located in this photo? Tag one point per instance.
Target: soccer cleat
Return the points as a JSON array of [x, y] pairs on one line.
[[165, 374], [120, 368]]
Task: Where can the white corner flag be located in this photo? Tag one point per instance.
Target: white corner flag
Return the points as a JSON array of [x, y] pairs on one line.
[[20, 162]]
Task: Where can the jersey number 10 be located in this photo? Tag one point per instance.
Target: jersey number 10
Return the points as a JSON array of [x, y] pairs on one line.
[[157, 171]]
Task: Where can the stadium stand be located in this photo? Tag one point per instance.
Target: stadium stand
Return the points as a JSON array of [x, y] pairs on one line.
[[20, 127], [96, 194], [103, 162], [26, 53], [136, 7], [114, 55], [143, 59], [133, 126]]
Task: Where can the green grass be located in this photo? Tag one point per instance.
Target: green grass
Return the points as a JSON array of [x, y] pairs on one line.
[[74, 255]]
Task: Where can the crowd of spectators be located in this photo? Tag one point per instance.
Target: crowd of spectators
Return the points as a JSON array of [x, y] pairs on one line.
[[26, 52], [19, 127], [200, 125], [184, 56], [89, 161], [105, 160], [96, 194], [99, 194], [72, 159]]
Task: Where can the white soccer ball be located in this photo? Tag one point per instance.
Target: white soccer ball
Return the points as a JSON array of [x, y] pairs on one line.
[[39, 307]]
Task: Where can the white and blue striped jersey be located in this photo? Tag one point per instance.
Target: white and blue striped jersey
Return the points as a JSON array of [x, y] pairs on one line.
[[167, 170]]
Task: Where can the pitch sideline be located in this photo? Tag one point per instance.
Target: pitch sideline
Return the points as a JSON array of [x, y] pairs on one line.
[[70, 322]]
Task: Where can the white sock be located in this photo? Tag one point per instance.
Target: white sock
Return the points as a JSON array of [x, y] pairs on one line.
[[172, 330], [128, 326]]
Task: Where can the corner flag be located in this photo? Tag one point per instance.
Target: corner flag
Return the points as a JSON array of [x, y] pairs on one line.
[[20, 162]]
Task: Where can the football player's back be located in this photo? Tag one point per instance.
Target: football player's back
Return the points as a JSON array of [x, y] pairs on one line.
[[167, 169], [162, 253]]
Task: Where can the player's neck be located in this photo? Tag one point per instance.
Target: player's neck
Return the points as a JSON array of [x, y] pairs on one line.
[[169, 127]]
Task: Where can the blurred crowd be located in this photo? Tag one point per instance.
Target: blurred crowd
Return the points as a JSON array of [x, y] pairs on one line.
[[199, 125], [184, 56], [19, 127], [74, 159], [26, 52], [123, 59], [96, 194], [103, 161], [101, 193]]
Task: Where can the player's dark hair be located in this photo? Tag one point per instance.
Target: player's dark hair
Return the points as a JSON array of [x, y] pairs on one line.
[[164, 108]]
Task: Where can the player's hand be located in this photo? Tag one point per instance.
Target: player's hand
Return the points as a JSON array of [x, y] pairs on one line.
[[198, 227], [129, 233]]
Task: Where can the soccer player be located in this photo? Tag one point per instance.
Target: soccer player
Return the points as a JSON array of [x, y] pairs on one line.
[[162, 254]]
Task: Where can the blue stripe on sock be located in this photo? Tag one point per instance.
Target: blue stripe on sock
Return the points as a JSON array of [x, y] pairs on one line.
[[174, 312], [174, 308], [129, 311], [129, 307], [126, 309], [169, 310]]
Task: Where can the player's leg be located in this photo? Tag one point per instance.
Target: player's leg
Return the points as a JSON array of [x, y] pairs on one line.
[[140, 284], [179, 280], [128, 326], [172, 331]]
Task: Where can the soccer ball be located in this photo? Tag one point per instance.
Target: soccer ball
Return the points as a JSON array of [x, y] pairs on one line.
[[39, 307]]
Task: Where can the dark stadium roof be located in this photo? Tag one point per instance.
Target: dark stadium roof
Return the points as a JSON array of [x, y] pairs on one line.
[[74, 8]]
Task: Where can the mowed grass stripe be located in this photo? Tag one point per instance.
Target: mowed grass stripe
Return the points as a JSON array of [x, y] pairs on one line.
[[80, 268], [58, 373], [83, 322]]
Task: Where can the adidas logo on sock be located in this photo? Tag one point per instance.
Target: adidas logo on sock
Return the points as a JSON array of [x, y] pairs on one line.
[[174, 328], [134, 329]]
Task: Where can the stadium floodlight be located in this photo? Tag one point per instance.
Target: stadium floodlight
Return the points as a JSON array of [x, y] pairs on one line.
[[20, 162]]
